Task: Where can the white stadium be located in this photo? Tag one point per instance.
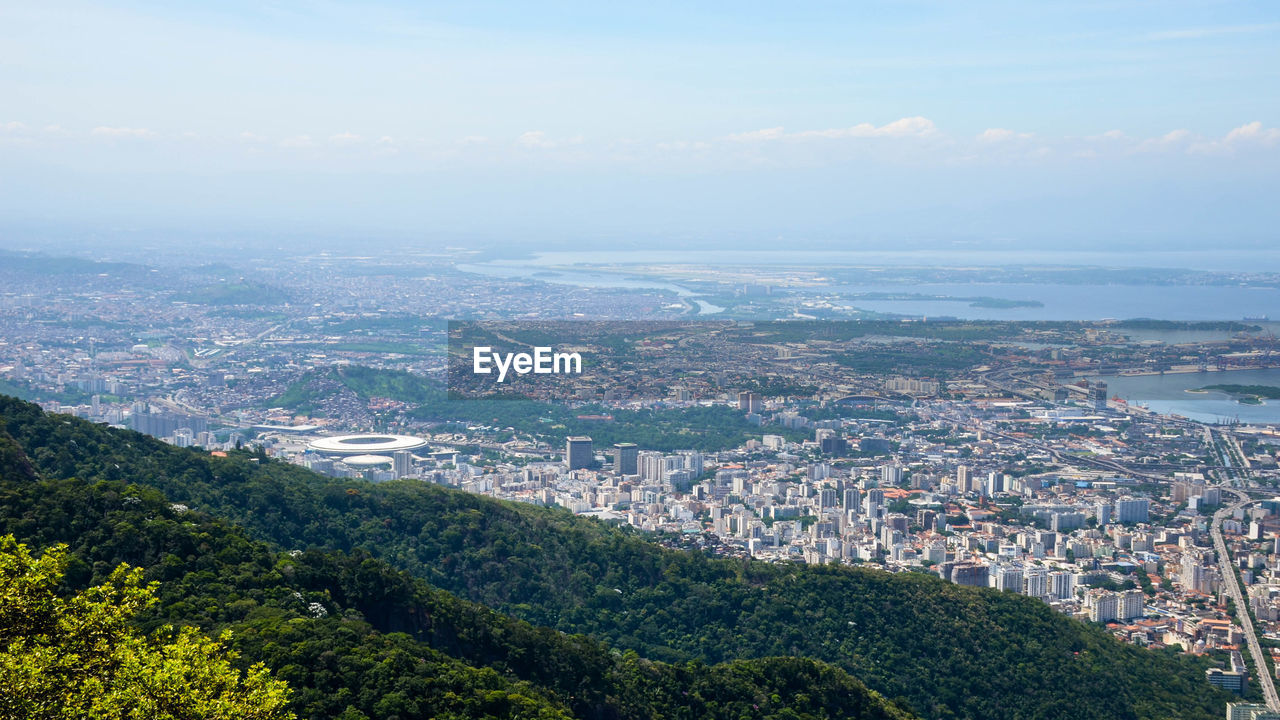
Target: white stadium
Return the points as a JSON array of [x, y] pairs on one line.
[[352, 446]]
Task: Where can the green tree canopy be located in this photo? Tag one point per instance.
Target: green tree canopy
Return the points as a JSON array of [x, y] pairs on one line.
[[78, 656]]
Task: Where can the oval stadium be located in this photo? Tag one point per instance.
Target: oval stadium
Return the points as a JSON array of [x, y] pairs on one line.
[[352, 445]]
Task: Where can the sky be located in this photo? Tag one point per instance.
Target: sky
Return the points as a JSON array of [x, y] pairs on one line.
[[588, 124]]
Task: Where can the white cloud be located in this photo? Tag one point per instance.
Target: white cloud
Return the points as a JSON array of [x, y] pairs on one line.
[[539, 139], [758, 135], [1253, 132], [252, 137], [1108, 135], [13, 126], [345, 138], [907, 126], [1248, 135], [121, 132], [995, 135], [534, 139], [472, 140], [297, 141], [1169, 141], [904, 127]]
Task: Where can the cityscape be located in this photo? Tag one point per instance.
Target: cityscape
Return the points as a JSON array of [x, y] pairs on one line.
[[567, 360], [991, 454]]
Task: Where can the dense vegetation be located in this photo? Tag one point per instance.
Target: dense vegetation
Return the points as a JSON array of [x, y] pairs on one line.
[[1271, 392], [944, 650], [356, 639], [932, 360], [692, 428], [76, 655], [240, 292]]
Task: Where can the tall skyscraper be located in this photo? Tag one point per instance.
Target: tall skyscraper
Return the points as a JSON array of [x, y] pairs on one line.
[[1132, 604], [402, 463], [625, 458], [853, 501], [1098, 395], [1062, 584], [1132, 510], [578, 452], [875, 500], [1103, 606], [890, 475], [1035, 581]]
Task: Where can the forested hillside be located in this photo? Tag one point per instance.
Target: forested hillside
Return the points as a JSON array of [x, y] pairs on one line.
[[697, 428], [944, 650]]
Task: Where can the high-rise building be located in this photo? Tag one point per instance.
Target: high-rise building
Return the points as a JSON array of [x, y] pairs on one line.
[[971, 574], [875, 500], [693, 461], [1212, 496], [625, 459], [1007, 577], [1062, 584], [890, 475], [1062, 522], [164, 424], [750, 401], [1103, 606], [1195, 575], [1103, 513], [1132, 510], [578, 452], [1098, 395], [827, 498], [1035, 581], [834, 445], [1132, 604], [962, 479], [402, 463], [853, 501], [183, 437], [651, 466]]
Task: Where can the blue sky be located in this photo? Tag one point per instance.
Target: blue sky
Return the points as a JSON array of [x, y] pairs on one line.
[[864, 124]]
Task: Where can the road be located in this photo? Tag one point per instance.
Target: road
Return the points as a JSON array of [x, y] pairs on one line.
[[1242, 610]]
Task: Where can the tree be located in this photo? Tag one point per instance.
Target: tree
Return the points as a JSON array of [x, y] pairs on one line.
[[78, 656]]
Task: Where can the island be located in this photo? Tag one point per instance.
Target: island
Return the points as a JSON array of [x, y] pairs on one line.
[[1247, 394]]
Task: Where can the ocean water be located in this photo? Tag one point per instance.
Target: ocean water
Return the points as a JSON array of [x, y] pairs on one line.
[[1081, 302], [1168, 394], [1058, 302]]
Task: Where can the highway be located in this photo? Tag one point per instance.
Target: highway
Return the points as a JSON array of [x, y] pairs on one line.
[[1242, 609]]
